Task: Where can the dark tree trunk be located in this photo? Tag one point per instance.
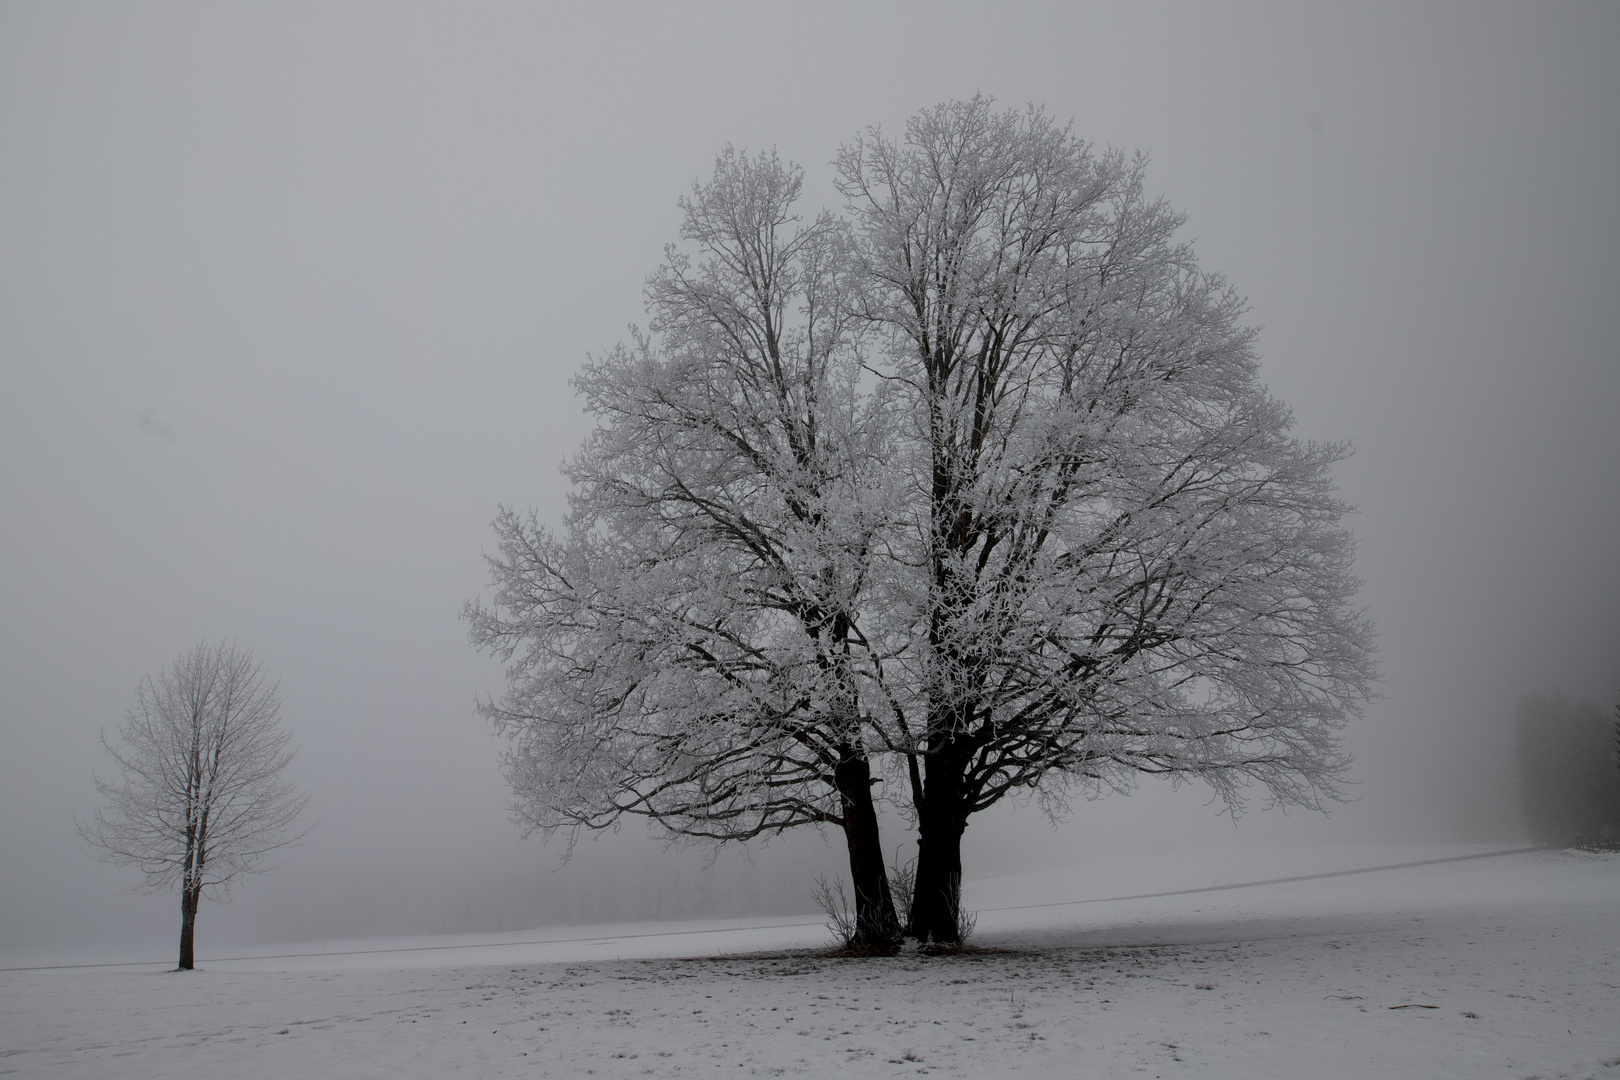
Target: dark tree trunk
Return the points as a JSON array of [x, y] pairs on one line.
[[876, 924], [188, 924], [937, 897]]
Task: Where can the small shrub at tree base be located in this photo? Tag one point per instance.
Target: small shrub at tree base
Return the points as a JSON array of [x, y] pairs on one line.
[[834, 903]]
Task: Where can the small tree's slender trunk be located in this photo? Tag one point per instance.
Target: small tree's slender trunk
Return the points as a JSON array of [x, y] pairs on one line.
[[876, 924], [937, 897], [188, 923]]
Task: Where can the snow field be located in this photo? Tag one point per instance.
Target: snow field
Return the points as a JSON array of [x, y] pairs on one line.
[[1503, 966]]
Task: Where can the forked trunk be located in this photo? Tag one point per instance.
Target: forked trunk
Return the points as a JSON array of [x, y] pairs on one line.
[[876, 924], [188, 924]]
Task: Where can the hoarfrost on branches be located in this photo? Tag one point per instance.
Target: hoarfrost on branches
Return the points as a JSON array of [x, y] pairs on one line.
[[1121, 562], [977, 484], [691, 648]]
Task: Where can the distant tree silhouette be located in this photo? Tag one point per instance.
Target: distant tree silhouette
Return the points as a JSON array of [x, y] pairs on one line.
[[1568, 784], [201, 798]]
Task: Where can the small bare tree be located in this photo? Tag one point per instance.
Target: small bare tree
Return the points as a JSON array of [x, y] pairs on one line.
[[202, 797]]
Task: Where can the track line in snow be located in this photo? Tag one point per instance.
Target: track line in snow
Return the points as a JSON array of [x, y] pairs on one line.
[[1268, 881]]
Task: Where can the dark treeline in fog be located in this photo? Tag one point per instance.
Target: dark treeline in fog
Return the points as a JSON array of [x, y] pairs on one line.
[[1569, 769], [968, 492]]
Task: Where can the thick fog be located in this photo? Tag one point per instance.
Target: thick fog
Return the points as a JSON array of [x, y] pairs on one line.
[[290, 297]]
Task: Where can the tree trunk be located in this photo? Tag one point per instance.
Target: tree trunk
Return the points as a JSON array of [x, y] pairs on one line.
[[876, 924], [937, 903], [188, 923], [937, 897]]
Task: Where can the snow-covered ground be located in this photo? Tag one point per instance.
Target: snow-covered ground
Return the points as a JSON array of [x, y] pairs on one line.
[[1504, 965]]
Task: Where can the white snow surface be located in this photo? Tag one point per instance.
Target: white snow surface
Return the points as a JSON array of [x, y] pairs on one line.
[[1501, 965]]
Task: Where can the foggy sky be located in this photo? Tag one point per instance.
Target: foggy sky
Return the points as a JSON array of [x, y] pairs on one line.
[[290, 298]]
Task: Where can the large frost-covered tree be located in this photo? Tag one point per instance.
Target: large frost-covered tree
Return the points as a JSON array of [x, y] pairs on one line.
[[690, 647], [1118, 561], [978, 483], [202, 796]]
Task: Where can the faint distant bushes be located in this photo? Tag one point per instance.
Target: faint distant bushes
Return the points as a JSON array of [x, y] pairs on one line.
[[1569, 776]]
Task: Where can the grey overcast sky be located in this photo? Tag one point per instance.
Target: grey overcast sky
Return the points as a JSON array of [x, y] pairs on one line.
[[290, 296]]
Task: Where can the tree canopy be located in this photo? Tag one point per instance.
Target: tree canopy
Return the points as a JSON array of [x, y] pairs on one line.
[[1120, 560], [691, 649], [975, 483]]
